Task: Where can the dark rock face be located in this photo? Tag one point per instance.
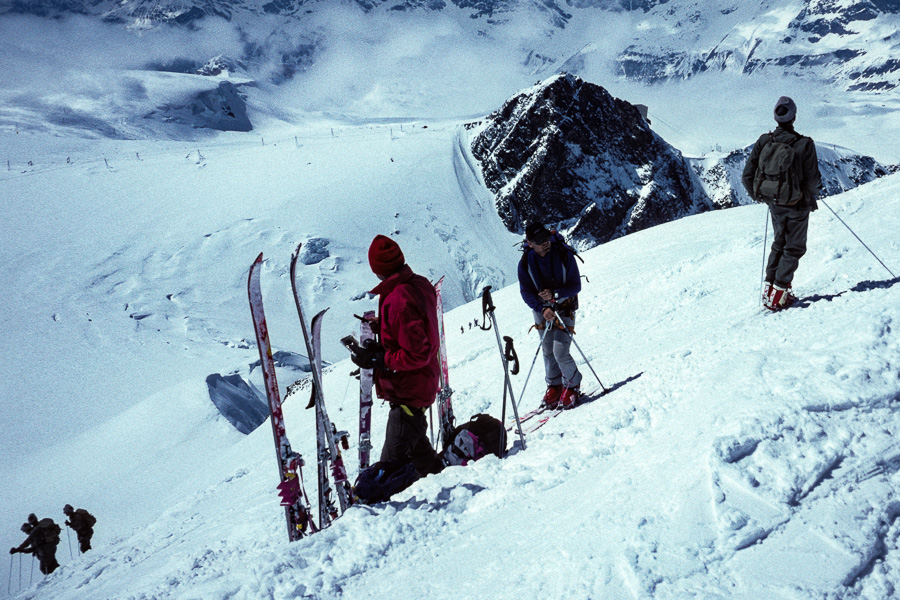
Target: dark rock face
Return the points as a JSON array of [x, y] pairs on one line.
[[847, 57], [222, 108], [569, 154], [220, 65], [823, 17]]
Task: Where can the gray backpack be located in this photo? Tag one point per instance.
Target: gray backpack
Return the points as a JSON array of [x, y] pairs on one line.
[[776, 181]]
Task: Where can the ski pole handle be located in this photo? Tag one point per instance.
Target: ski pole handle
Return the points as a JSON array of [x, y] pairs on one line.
[[487, 308], [487, 302], [511, 356]]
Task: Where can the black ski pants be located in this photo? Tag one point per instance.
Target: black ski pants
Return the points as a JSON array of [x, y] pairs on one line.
[[84, 539], [789, 227], [46, 556], [406, 440]]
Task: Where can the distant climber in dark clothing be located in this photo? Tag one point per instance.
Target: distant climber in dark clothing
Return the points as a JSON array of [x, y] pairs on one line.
[[42, 540], [82, 522]]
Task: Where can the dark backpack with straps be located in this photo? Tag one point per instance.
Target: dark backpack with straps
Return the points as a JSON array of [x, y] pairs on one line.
[[48, 533], [776, 180], [384, 479], [481, 436], [87, 517]]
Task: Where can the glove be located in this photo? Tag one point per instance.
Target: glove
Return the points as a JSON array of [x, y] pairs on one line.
[[370, 356], [12, 550], [68, 524]]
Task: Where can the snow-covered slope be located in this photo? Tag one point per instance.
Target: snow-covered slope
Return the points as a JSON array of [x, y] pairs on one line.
[[130, 258], [735, 446], [123, 262]]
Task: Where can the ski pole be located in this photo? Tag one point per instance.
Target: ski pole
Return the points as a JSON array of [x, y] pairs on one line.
[[503, 420], [31, 577], [69, 537], [572, 337], [9, 581], [431, 423], [487, 306], [509, 353], [20, 572], [547, 325], [857, 237], [762, 269]]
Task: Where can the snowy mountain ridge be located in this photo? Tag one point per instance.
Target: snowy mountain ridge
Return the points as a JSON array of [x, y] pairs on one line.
[[566, 153], [848, 43]]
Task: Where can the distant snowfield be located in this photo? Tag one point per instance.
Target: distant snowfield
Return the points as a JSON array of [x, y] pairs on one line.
[[740, 455]]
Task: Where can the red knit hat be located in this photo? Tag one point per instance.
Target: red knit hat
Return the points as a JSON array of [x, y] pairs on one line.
[[385, 256]]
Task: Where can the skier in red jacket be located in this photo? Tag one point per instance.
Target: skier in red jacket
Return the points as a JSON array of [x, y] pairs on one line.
[[406, 363]]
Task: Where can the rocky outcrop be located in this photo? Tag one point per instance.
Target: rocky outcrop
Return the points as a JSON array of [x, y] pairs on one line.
[[569, 154], [222, 108], [851, 43]]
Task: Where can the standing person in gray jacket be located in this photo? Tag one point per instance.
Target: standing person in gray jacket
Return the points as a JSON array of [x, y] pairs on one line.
[[783, 172]]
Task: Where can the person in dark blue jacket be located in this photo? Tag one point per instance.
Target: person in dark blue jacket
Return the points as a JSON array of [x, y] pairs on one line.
[[549, 279]]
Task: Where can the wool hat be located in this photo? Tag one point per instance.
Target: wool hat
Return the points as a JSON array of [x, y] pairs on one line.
[[785, 110], [385, 256], [536, 233], [68, 509]]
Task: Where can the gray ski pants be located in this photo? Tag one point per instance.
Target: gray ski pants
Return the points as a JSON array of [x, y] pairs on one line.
[[789, 227], [559, 365]]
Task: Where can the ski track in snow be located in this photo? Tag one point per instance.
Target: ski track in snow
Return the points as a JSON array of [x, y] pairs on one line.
[[740, 455]]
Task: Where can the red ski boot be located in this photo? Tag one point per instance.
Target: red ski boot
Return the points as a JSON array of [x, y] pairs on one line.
[[569, 397], [551, 396]]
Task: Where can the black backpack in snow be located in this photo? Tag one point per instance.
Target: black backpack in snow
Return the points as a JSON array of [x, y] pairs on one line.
[[776, 181], [481, 436], [384, 479]]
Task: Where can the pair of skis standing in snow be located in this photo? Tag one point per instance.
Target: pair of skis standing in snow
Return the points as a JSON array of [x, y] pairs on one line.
[[404, 372], [426, 378]]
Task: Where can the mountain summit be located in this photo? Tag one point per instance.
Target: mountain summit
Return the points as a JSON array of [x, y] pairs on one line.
[[566, 152]]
